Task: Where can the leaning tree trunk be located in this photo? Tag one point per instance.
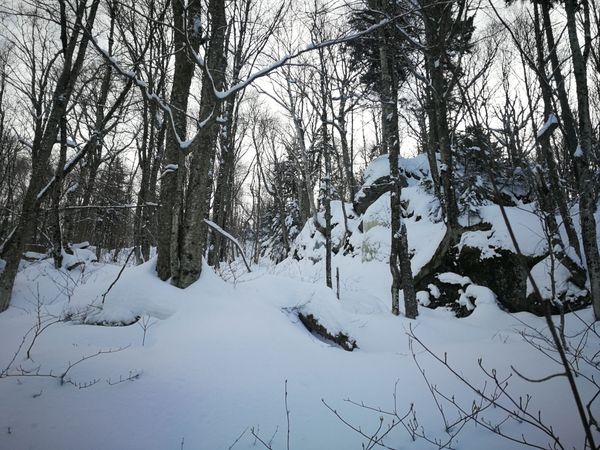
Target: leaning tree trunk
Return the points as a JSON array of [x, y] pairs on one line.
[[73, 61]]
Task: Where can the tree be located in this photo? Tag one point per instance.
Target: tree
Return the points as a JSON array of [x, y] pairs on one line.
[[583, 151], [187, 37], [448, 29], [75, 24], [391, 70], [192, 242], [249, 31]]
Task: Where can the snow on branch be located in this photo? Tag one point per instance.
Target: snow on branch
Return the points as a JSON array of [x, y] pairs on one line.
[[225, 94], [95, 137], [66, 169], [549, 126], [222, 95], [224, 233], [151, 96]]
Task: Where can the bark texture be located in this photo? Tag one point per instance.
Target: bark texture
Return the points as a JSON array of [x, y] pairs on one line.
[[174, 161], [193, 229], [583, 174]]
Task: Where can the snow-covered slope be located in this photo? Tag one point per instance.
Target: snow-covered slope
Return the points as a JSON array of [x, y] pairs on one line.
[[482, 249], [206, 367], [216, 357]]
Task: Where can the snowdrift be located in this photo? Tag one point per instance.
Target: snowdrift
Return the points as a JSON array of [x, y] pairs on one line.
[[221, 364]]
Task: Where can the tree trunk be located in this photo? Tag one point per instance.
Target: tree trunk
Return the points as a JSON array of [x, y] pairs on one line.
[[435, 35], [73, 61], [399, 257], [193, 239], [326, 194], [174, 161], [57, 237], [583, 174], [221, 204], [346, 152], [553, 177], [557, 195]]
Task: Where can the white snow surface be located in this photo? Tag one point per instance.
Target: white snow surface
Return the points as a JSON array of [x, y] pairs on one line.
[[217, 354], [550, 121], [453, 278], [548, 273], [424, 235], [415, 167], [526, 224]]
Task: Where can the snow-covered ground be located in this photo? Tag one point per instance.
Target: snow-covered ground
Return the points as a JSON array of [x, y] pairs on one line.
[[217, 355]]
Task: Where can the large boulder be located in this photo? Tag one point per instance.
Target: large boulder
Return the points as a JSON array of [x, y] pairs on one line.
[[376, 178], [369, 193], [505, 273]]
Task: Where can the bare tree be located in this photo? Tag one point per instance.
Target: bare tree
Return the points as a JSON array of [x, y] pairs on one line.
[[74, 21]]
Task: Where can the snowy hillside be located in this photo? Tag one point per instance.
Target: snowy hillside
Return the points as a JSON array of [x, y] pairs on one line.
[[214, 366]]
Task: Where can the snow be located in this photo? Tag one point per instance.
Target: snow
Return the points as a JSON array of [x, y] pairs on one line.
[[376, 169], [551, 121], [216, 358], [205, 365], [424, 236], [463, 300], [525, 222], [434, 290], [34, 255], [423, 298], [197, 25], [311, 244], [550, 272], [453, 278], [223, 232], [72, 143], [413, 168], [45, 189]]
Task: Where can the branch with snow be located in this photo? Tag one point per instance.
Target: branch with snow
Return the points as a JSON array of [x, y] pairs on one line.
[[224, 233], [225, 94], [548, 128]]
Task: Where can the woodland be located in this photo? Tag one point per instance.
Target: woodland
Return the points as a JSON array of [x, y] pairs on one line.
[[305, 225]]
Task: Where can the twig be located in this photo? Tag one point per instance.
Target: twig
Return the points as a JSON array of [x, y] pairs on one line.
[[555, 336], [118, 276]]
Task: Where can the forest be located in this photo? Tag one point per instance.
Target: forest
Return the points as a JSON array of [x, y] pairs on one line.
[[324, 224]]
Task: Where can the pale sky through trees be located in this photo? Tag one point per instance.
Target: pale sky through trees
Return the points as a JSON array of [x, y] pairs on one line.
[[312, 225]]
